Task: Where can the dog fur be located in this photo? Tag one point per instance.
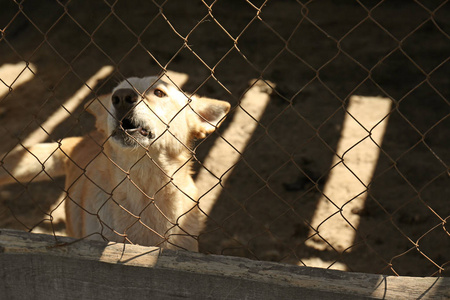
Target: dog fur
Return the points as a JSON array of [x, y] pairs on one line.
[[129, 180]]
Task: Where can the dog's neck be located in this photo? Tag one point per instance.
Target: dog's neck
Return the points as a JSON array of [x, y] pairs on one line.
[[139, 163]]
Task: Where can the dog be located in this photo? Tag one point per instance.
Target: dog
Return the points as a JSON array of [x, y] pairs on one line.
[[130, 180]]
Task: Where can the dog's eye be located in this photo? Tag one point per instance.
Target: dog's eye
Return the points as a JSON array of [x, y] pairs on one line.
[[158, 93]]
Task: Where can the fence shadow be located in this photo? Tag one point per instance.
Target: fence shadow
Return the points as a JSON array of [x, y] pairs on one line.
[[316, 56]]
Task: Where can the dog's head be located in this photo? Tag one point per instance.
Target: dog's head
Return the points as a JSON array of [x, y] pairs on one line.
[[150, 113]]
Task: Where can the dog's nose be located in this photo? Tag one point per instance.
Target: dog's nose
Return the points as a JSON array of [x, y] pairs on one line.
[[124, 98]]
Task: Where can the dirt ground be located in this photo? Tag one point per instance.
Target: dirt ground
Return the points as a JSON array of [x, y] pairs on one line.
[[280, 190]]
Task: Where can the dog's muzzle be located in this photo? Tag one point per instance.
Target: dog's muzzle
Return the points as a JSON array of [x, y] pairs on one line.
[[129, 130]]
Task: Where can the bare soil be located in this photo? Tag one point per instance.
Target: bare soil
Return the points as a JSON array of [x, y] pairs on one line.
[[309, 59]]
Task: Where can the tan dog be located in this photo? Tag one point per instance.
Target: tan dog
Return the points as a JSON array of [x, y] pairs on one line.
[[130, 180]]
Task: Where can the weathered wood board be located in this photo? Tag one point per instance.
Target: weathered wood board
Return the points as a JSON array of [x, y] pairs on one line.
[[35, 266]]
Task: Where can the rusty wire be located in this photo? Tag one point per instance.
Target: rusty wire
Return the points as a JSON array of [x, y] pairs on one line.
[[262, 232]]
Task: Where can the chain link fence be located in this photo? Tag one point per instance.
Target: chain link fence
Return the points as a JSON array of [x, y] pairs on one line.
[[335, 151]]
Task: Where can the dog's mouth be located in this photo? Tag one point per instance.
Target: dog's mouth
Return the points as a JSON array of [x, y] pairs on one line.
[[130, 132], [131, 128]]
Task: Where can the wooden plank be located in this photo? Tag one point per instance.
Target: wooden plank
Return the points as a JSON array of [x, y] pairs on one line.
[[35, 266]]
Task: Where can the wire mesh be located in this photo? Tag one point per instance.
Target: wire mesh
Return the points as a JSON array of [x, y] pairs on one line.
[[302, 170]]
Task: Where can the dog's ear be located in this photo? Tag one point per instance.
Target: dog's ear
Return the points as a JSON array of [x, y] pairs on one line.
[[98, 108], [206, 115]]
